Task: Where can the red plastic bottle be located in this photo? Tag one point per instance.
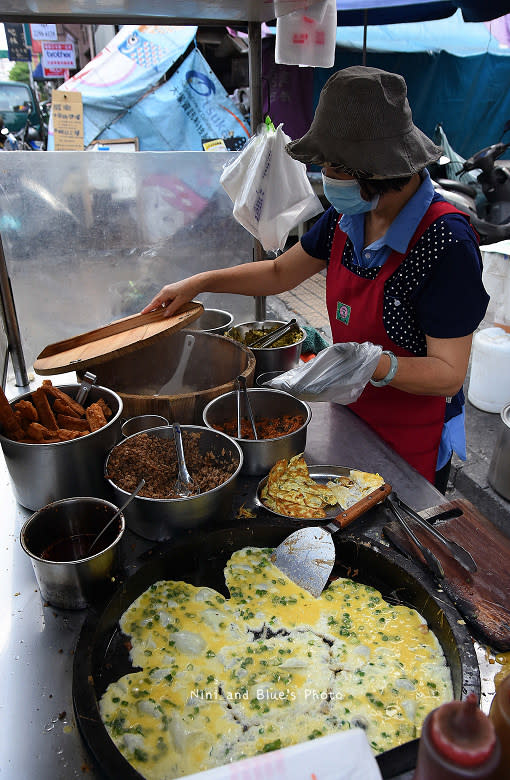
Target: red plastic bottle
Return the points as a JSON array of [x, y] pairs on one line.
[[458, 741], [500, 716]]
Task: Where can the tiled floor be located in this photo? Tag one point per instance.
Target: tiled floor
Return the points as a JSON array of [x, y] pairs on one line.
[[308, 301]]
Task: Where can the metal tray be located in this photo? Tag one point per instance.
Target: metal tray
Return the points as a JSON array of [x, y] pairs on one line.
[[322, 475], [101, 655]]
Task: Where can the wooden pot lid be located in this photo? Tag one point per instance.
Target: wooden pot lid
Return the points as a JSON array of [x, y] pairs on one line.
[[113, 340]]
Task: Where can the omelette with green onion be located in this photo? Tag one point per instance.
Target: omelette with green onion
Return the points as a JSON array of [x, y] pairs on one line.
[[223, 679]]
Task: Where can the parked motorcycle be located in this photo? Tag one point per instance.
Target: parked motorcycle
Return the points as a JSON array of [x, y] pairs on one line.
[[8, 141], [30, 139], [486, 198]]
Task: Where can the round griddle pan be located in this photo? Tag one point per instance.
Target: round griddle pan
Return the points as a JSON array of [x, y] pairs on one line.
[[101, 654]]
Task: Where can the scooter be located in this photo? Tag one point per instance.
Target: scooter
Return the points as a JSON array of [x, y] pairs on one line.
[[8, 141], [487, 202], [29, 138]]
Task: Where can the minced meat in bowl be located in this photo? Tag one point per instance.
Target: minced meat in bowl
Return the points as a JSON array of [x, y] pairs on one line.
[[152, 456]]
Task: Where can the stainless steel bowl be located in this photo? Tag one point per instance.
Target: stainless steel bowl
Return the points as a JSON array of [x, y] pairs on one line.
[[42, 473], [271, 358], [57, 539], [158, 518], [213, 321], [260, 455], [141, 423]]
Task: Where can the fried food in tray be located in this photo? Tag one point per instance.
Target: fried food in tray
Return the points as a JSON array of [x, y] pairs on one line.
[[50, 416], [291, 491]]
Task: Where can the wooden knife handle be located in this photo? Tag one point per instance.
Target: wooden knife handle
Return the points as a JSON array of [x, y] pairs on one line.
[[346, 517]]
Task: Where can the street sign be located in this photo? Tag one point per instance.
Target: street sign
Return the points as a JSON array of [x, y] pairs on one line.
[[67, 113], [44, 32], [58, 55], [16, 43], [56, 73]]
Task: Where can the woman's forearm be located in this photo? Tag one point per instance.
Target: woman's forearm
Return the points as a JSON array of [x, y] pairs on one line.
[[441, 372]]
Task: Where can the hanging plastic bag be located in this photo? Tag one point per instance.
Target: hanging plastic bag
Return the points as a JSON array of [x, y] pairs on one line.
[[339, 373], [270, 191], [306, 36]]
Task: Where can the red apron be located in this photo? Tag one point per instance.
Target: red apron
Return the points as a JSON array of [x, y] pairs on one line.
[[411, 424]]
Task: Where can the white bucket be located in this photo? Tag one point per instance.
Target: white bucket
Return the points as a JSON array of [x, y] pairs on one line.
[[489, 383]]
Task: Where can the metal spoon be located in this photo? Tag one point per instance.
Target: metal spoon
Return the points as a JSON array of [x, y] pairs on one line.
[[241, 387], [117, 513], [184, 484]]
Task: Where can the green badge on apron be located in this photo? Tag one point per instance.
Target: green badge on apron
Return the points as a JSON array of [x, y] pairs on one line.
[[343, 312]]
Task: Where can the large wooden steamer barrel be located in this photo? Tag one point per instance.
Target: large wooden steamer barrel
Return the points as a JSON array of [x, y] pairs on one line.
[[144, 379]]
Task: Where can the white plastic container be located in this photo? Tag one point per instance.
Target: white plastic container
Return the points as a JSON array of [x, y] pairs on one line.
[[489, 383]]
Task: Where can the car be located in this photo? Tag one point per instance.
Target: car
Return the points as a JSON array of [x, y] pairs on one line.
[[18, 104]]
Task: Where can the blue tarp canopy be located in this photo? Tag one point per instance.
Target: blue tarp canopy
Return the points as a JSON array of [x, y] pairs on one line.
[[452, 35], [152, 83], [360, 12], [457, 74]]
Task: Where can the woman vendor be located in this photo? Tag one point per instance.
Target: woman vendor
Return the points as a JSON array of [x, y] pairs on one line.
[[403, 266]]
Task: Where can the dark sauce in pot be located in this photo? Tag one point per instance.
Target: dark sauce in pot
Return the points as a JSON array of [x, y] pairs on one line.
[[72, 548]]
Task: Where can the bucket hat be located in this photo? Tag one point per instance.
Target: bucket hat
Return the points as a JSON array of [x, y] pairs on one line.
[[364, 124]]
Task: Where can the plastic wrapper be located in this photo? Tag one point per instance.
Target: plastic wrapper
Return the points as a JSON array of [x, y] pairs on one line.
[[339, 373], [270, 191]]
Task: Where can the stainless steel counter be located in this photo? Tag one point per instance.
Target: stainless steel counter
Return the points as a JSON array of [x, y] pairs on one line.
[[38, 734]]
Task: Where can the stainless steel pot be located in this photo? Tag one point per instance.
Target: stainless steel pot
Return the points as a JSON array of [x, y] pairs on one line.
[[142, 422], [158, 518], [499, 469], [260, 455], [213, 321], [272, 358], [66, 529], [41, 473]]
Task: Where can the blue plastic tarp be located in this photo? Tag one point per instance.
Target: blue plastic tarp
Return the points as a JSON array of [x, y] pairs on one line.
[[357, 12], [452, 35], [125, 95]]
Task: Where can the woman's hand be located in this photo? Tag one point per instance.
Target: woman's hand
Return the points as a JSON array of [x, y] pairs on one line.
[[172, 296]]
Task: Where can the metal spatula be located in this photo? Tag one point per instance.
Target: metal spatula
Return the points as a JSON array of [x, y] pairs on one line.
[[307, 556]]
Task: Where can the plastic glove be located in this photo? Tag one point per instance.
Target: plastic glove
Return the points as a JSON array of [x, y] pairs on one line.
[[338, 373]]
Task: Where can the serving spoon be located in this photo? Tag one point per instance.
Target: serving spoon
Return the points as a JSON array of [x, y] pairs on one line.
[[184, 484], [117, 514]]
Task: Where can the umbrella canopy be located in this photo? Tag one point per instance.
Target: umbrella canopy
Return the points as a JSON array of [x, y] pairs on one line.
[[360, 12]]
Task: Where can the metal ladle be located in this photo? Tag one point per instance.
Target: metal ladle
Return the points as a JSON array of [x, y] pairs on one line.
[[184, 484], [117, 513], [241, 387]]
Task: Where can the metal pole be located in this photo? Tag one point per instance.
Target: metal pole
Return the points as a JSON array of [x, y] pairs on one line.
[[255, 78], [11, 323], [365, 27]]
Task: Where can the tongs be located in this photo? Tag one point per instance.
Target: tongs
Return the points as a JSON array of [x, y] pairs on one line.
[[269, 338], [460, 554], [241, 387], [86, 383]]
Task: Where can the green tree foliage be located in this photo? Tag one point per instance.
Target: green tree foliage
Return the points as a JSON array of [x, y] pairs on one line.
[[19, 72]]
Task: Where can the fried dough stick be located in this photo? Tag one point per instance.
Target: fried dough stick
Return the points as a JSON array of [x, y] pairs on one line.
[[44, 410], [50, 389], [27, 411], [71, 423], [95, 417], [60, 407], [8, 422]]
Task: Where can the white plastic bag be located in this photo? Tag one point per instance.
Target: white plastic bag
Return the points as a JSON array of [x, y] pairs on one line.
[[270, 191], [307, 36], [339, 373]]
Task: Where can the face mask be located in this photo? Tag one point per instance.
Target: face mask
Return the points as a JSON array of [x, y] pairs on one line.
[[345, 196]]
